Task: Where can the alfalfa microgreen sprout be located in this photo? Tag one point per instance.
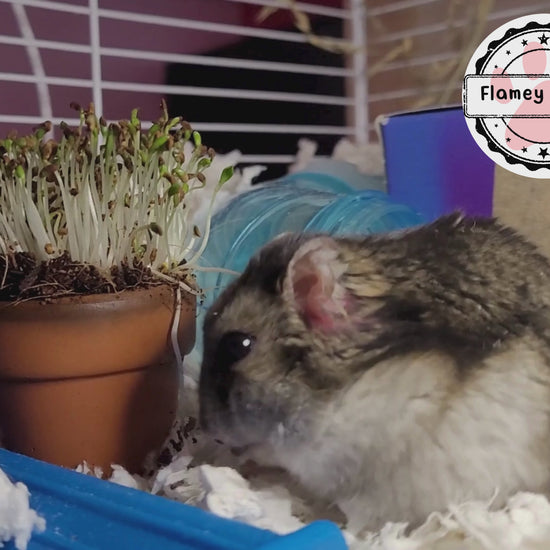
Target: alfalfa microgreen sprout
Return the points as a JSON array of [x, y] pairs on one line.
[[107, 194]]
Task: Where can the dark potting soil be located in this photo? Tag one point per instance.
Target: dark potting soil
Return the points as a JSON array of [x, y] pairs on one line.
[[25, 278]]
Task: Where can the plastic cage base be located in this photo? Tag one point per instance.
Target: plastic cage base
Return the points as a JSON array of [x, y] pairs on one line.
[[83, 512]]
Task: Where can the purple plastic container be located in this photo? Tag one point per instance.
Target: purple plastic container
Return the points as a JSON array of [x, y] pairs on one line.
[[434, 165]]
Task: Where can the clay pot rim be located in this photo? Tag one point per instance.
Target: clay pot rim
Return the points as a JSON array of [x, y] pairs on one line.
[[132, 298], [141, 321]]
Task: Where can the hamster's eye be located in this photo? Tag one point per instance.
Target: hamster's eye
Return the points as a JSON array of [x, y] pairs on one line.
[[234, 346]]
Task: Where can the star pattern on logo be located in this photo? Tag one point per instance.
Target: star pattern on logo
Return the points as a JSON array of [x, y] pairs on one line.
[[508, 49]]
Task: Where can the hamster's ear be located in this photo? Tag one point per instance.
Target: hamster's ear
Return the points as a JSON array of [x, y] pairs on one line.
[[313, 287]]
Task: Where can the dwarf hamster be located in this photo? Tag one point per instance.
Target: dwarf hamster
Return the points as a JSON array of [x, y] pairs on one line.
[[392, 375]]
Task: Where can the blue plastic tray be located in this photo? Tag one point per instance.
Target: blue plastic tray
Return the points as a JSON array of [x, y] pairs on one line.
[[82, 512]]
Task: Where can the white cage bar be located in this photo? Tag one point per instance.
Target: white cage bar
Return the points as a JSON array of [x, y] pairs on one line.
[[98, 51]]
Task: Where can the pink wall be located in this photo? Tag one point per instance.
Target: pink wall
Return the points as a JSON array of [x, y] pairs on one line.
[[21, 98]]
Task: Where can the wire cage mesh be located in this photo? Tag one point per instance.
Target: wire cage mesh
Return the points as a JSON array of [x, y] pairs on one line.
[[250, 82]]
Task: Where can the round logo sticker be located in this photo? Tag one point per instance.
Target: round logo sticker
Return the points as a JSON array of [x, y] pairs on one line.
[[506, 96]]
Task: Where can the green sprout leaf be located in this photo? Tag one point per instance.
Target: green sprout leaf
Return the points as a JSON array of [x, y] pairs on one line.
[[20, 172], [154, 129], [109, 142], [7, 143], [173, 122], [204, 163], [134, 118], [226, 175], [108, 193], [158, 143], [197, 139], [174, 189], [181, 174]]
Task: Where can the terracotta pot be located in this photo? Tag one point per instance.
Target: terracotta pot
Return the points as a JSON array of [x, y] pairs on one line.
[[91, 377]]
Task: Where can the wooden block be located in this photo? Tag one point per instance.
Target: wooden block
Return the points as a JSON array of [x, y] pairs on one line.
[[524, 204]]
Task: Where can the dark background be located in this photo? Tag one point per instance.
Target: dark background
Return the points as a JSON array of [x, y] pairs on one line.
[[208, 109]]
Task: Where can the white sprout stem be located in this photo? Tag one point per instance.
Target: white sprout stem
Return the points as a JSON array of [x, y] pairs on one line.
[[40, 230], [70, 220], [60, 241], [183, 233], [35, 224], [216, 270], [9, 233], [44, 209], [204, 242], [91, 209], [174, 337], [3, 245], [16, 201], [96, 206], [104, 212], [175, 281], [6, 268], [190, 246]]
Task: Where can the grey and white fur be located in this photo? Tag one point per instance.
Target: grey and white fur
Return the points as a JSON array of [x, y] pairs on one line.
[[392, 375]]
